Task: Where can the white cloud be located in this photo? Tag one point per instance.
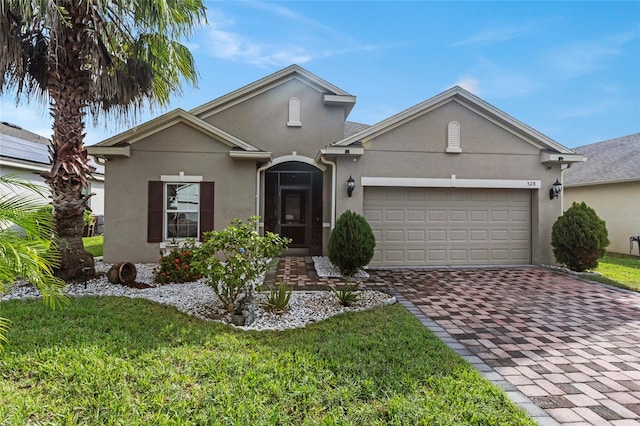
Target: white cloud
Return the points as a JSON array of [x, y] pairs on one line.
[[32, 117], [489, 79], [494, 35], [305, 39], [469, 83], [583, 57]]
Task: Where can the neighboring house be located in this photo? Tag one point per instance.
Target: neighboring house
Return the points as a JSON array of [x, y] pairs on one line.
[[609, 182], [450, 181], [26, 154]]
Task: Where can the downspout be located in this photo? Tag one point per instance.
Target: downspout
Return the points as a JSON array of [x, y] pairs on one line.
[[258, 172], [563, 168], [333, 188]]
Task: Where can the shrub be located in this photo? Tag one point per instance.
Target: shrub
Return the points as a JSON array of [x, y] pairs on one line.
[[351, 243], [176, 267], [233, 259], [579, 238], [278, 298]]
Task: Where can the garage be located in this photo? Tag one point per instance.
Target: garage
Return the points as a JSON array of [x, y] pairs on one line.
[[449, 226]]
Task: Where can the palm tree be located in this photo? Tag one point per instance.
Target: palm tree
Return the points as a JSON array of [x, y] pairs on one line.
[[26, 250], [103, 57]]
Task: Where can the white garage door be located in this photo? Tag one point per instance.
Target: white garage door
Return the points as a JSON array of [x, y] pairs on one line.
[[444, 226]]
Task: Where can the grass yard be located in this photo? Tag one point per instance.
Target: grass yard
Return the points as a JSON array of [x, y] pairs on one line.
[[619, 270], [94, 244], [129, 361]]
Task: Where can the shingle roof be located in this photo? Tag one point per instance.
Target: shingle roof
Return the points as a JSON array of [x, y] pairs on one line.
[[607, 161], [20, 133], [351, 128]]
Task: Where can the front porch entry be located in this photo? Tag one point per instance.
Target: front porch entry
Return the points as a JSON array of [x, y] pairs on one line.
[[293, 206]]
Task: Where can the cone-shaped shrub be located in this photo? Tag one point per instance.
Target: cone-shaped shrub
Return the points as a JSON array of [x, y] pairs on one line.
[[351, 243], [579, 238]]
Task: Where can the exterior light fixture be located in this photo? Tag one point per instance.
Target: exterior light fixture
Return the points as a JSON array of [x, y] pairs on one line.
[[555, 190], [351, 184]]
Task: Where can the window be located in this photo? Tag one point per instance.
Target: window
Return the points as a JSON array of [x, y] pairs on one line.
[[182, 210], [179, 210], [294, 113]]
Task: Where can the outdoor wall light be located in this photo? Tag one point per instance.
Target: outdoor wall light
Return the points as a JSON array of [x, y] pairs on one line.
[[555, 190], [351, 184]]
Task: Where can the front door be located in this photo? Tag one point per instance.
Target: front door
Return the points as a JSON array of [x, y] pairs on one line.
[[294, 216], [293, 206]]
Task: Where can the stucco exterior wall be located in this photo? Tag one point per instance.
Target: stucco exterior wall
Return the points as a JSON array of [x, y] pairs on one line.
[[417, 150], [177, 149], [618, 204], [262, 121]]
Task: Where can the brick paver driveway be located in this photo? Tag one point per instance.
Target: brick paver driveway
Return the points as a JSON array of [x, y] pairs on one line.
[[572, 347]]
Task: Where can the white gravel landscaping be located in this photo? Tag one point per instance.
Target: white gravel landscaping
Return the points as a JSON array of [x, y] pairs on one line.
[[326, 269], [199, 300]]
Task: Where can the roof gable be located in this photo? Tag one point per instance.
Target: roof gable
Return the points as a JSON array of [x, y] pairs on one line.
[[458, 94], [333, 94], [613, 160], [167, 120]]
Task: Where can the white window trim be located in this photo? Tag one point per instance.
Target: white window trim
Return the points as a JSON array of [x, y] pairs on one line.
[[166, 211], [181, 177]]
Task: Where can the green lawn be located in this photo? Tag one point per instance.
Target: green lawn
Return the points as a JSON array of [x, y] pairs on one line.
[[94, 244], [129, 361], [620, 270]]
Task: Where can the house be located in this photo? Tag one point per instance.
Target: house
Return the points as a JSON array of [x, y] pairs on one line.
[[609, 182], [450, 181], [26, 155]]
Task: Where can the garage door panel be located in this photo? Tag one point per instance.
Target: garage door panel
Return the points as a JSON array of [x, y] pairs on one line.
[[443, 226]]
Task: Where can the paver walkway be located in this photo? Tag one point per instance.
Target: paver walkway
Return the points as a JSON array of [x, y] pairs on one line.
[[569, 346]]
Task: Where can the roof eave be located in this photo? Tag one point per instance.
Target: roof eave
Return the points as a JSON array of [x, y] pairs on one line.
[[547, 157]]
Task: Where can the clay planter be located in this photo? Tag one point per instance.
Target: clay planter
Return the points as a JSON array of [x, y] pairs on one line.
[[122, 273]]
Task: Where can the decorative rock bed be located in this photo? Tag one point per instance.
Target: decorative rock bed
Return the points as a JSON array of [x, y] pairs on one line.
[[199, 300]]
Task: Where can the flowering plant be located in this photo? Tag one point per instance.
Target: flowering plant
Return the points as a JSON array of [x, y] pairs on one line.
[[176, 266], [232, 260]]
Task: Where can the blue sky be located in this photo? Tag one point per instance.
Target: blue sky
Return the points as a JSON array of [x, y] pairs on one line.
[[571, 70]]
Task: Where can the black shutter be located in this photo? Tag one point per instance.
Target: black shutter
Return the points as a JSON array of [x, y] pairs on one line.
[[207, 191], [155, 213]]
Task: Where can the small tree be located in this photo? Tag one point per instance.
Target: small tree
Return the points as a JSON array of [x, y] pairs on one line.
[[233, 259], [351, 243], [579, 238], [26, 247]]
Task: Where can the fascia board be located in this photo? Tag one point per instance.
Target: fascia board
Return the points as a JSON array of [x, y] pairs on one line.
[[261, 86], [470, 101], [40, 168], [101, 151], [170, 119]]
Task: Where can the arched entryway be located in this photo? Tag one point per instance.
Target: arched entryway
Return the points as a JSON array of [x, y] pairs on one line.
[[293, 205]]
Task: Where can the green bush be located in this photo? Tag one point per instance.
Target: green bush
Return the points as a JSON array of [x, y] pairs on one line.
[[579, 238], [351, 243], [233, 259], [176, 267]]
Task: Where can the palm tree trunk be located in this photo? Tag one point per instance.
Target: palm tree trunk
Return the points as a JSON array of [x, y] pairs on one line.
[[67, 85]]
